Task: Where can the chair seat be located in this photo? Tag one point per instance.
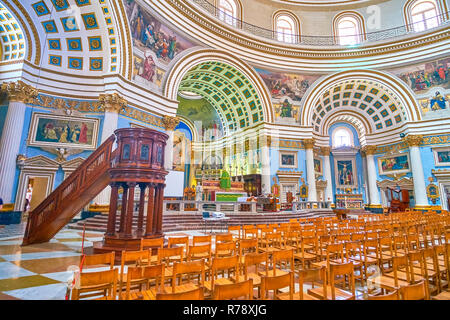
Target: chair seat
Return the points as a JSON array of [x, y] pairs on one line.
[[203, 255], [208, 283], [296, 296], [402, 276], [255, 277], [305, 256], [185, 287], [339, 293], [142, 295], [386, 282], [444, 295]]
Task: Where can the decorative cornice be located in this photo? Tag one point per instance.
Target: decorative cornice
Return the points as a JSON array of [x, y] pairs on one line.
[[170, 123], [369, 150], [325, 151], [414, 140], [19, 91], [112, 102], [308, 143]]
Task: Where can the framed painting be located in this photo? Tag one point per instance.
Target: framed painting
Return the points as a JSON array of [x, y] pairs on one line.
[[288, 159], [345, 173], [318, 168], [394, 164], [441, 157], [58, 131]]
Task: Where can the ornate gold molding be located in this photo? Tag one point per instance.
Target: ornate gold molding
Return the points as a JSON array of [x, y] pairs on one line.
[[368, 150], [112, 102], [19, 91], [414, 140], [308, 143], [325, 151], [170, 122]]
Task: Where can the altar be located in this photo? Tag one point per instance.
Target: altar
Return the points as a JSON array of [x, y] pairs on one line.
[[349, 201]]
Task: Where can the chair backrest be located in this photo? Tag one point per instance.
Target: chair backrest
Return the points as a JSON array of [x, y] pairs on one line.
[[201, 239], [224, 249], [283, 257], [417, 259], [97, 283], [335, 251], [401, 263], [152, 243], [417, 291], [234, 290], [177, 242], [394, 295], [195, 294], [257, 260], [344, 269], [143, 274], [248, 245], [235, 228], [99, 259], [190, 268], [199, 252], [228, 237], [134, 257], [313, 276], [169, 255], [276, 283]]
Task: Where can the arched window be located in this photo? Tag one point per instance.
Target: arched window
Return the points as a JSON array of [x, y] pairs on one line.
[[348, 29], [342, 137], [228, 11], [424, 15], [285, 28]]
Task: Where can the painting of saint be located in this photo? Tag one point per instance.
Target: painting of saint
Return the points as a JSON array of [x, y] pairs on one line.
[[288, 160], [394, 164], [345, 173], [318, 166], [286, 109], [437, 102], [62, 131]]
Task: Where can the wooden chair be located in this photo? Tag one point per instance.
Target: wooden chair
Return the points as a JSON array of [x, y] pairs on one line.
[[316, 276], [184, 272], [228, 237], [443, 262], [341, 273], [197, 252], [97, 260], [394, 295], [144, 275], [247, 246], [236, 290], [417, 291], [255, 266], [227, 268], [390, 281], [225, 249], [182, 242], [133, 258], [385, 253], [93, 284], [353, 254], [168, 256], [275, 283], [282, 262], [308, 251], [233, 229], [272, 242], [153, 245], [195, 294]]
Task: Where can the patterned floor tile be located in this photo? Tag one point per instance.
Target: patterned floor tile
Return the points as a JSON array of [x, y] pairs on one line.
[[55, 291], [49, 265], [10, 270], [39, 255], [24, 282]]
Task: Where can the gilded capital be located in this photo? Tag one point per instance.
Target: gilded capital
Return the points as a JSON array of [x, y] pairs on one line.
[[325, 151], [413, 140], [19, 91], [112, 102], [369, 149], [170, 122], [308, 143]]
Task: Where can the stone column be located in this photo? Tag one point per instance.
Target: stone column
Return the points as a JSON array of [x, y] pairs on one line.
[[19, 95], [130, 210], [420, 192], [325, 151], [310, 175], [112, 103], [265, 165], [150, 211], [170, 124], [374, 195], [111, 229]]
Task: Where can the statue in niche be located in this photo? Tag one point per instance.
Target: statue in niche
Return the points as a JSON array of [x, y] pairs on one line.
[[437, 102], [286, 109]]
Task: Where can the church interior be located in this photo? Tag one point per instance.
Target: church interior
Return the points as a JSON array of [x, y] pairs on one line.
[[224, 149]]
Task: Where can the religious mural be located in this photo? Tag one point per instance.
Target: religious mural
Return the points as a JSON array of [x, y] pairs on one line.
[[288, 159], [150, 34], [203, 115], [49, 130], [286, 111], [423, 77], [181, 150], [441, 157], [146, 71], [318, 166], [282, 85], [394, 164]]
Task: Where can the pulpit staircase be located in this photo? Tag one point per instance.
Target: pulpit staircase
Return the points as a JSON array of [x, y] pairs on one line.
[[68, 199]]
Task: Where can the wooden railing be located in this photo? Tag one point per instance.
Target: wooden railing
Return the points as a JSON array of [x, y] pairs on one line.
[[68, 192]]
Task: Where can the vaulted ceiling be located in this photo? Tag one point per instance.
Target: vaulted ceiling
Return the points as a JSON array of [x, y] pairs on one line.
[[11, 37]]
